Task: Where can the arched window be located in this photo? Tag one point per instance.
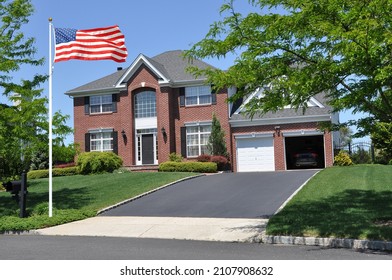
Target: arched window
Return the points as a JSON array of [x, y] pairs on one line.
[[145, 104]]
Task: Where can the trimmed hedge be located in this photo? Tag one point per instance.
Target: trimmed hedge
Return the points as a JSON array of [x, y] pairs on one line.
[[56, 172], [201, 167], [98, 162]]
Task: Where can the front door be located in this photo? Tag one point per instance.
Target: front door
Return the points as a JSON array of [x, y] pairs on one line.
[[148, 149]]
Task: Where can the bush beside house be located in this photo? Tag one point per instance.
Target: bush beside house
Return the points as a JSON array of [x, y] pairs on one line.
[[98, 162], [189, 166]]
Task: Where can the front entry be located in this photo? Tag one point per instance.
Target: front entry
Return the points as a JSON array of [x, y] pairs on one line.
[[148, 149]]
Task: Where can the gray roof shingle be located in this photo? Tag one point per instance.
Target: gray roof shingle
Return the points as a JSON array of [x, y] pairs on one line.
[[171, 64]]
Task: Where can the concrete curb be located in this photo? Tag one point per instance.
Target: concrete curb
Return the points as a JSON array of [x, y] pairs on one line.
[[146, 193], [328, 242]]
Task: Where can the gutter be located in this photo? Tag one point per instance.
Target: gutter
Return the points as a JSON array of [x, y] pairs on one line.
[[281, 120]]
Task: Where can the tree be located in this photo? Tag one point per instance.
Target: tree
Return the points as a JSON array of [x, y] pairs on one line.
[[23, 117], [301, 48], [216, 141], [382, 140]]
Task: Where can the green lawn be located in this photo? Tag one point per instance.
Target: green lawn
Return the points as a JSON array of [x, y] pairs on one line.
[[77, 197], [344, 202]]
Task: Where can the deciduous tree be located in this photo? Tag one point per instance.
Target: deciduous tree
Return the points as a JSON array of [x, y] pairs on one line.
[[301, 48]]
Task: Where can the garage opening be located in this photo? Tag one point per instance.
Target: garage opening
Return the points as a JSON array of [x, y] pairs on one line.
[[304, 152]]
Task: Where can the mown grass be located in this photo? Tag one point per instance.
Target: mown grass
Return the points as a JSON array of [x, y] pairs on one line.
[[77, 197], [343, 202]]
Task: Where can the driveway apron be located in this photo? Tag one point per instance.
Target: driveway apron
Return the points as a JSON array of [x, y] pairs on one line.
[[227, 195]]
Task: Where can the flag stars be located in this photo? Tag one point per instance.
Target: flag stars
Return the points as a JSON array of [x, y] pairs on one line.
[[65, 35]]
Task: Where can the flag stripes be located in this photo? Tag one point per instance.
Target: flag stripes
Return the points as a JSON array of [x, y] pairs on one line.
[[90, 44]]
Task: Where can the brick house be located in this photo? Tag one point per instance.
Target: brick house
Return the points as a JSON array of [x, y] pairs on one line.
[[154, 108]]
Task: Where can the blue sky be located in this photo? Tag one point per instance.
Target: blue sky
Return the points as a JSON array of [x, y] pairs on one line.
[[150, 27]]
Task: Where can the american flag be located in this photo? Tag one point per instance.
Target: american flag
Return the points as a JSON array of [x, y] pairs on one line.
[[90, 44]]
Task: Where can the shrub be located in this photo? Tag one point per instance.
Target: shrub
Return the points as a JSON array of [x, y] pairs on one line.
[[221, 161], [175, 157], [202, 167], [204, 158], [342, 159], [361, 157], [98, 162], [64, 165], [56, 172]]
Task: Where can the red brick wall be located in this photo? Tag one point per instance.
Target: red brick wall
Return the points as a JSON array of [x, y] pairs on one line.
[[203, 113], [169, 116]]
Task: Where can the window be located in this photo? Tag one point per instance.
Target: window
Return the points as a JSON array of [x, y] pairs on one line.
[[145, 104], [101, 104], [197, 140], [101, 141], [197, 95]]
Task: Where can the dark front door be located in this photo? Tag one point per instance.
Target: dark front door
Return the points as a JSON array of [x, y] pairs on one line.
[[148, 149]]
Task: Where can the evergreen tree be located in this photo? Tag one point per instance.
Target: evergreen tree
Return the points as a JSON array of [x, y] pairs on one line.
[[216, 141]]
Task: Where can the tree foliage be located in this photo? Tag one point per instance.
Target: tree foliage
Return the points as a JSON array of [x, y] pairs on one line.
[[23, 111], [301, 48], [216, 141]]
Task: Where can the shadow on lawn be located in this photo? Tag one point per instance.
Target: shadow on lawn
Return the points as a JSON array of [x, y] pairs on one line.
[[358, 214], [62, 199]]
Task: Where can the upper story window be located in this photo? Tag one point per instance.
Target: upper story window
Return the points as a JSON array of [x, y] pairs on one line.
[[198, 95], [145, 104], [101, 104]]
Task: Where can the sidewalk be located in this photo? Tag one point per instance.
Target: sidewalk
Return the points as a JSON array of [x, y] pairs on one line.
[[202, 229]]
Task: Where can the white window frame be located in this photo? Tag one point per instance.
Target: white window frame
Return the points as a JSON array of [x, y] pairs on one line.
[[101, 103], [145, 110], [198, 93], [100, 139], [199, 145]]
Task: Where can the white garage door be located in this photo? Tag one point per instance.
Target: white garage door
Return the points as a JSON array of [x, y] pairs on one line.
[[255, 154]]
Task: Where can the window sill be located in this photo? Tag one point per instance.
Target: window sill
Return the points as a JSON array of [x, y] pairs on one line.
[[103, 113], [198, 105]]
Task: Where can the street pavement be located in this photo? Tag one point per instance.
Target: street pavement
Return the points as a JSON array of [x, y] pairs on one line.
[[35, 247]]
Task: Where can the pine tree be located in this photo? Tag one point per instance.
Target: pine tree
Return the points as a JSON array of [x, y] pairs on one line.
[[216, 141]]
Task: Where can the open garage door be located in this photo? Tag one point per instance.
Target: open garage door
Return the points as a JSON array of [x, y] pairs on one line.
[[255, 154], [305, 152]]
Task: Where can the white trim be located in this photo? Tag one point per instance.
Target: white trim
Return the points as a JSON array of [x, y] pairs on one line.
[[198, 123], [253, 135], [302, 132], [98, 130], [155, 151], [282, 120], [316, 102], [90, 92], [140, 60]]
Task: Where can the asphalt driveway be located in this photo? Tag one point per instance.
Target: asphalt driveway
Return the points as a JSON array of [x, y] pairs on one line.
[[227, 195]]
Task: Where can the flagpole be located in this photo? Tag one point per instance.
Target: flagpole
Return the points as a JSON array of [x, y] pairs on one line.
[[50, 119]]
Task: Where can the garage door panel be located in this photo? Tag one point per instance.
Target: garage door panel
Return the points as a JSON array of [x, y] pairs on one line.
[[255, 154]]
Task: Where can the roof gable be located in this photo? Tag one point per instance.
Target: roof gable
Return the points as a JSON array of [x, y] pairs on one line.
[[139, 61], [170, 67], [317, 105]]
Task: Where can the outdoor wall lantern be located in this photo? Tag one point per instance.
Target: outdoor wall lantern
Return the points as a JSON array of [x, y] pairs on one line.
[[277, 130], [163, 130]]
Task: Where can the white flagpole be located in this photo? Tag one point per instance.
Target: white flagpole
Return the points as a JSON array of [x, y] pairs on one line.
[[50, 118]]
